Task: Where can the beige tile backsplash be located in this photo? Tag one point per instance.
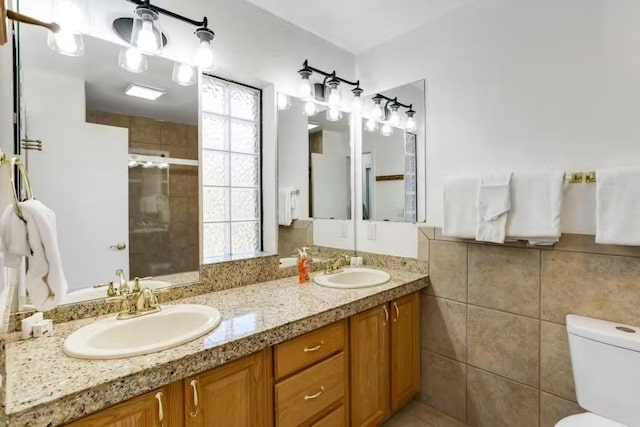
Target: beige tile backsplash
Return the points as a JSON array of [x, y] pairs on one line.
[[495, 314]]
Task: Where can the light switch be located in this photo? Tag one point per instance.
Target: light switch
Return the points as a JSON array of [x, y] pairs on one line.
[[371, 231]]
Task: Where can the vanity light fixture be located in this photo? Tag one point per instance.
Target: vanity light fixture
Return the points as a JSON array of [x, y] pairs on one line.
[[411, 122], [284, 103], [371, 125], [356, 103], [184, 74], [204, 58], [131, 59], [144, 92], [331, 81], [146, 35], [309, 108], [389, 112], [394, 119], [72, 17], [377, 107], [387, 130]]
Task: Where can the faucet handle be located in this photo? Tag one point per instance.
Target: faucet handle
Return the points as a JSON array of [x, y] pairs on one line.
[[136, 285]]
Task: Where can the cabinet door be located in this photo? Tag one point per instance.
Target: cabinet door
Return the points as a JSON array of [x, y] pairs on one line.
[[234, 395], [153, 409], [369, 352], [405, 349]]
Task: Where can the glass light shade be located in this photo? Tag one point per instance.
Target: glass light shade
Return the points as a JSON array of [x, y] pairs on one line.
[[146, 34], [132, 60], [71, 15], [310, 108], [377, 111], [284, 103], [204, 58], [66, 43], [356, 104], [334, 97], [394, 119], [305, 87], [333, 114], [184, 74], [371, 125], [387, 130], [411, 124]]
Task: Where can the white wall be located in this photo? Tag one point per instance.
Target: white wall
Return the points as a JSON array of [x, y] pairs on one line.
[[523, 86]]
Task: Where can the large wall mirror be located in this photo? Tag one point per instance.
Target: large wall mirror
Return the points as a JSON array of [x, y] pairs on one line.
[[314, 176], [118, 164]]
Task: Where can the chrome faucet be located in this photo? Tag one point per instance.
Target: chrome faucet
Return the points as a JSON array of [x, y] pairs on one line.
[[334, 265], [124, 287]]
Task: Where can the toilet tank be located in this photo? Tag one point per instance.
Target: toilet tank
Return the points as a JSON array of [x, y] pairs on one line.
[[606, 368]]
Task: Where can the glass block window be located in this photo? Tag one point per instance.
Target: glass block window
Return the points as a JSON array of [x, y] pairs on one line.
[[410, 179], [230, 169]]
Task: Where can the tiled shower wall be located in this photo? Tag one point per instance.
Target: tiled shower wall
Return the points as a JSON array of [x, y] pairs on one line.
[[494, 343], [177, 250]]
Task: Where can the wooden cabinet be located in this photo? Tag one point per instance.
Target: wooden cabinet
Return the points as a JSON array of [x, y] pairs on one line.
[[385, 360], [162, 407], [369, 342], [405, 349], [233, 395]]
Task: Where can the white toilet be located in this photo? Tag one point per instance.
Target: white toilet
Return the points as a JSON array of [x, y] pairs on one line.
[[606, 370]]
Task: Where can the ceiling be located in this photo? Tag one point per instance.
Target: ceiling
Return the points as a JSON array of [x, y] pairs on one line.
[[358, 25]]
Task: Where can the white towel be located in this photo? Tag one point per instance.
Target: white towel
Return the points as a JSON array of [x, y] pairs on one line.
[[460, 206], [618, 206], [536, 207], [286, 205], [13, 238], [45, 280], [493, 206]]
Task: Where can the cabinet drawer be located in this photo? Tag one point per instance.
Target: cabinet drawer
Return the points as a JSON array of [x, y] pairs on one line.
[[306, 394], [334, 419], [308, 349]]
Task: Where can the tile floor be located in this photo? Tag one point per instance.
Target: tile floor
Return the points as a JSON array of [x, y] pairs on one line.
[[417, 414]]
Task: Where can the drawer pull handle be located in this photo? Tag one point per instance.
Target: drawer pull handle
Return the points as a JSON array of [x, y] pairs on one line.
[[194, 386], [397, 312], [160, 408], [386, 315], [314, 396], [312, 349]]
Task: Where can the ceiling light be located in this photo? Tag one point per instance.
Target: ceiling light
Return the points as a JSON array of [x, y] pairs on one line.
[[371, 125], [65, 43], [334, 94], [394, 119], [305, 85], [132, 60], [284, 103], [356, 103], [333, 114], [71, 15], [377, 108], [310, 108], [387, 130], [204, 58], [184, 74], [146, 35], [411, 122], [312, 126], [144, 92]]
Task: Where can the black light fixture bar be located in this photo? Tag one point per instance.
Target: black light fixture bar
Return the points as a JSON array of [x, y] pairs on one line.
[[392, 101], [147, 3], [327, 76]]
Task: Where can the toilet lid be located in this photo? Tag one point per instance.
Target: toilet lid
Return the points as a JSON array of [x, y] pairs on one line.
[[587, 420]]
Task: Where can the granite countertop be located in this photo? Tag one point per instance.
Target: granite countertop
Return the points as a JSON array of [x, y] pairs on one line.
[[45, 387]]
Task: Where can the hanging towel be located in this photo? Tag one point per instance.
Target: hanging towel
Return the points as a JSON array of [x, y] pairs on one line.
[[45, 278], [536, 206], [460, 206], [13, 238], [286, 205], [493, 206], [618, 206]]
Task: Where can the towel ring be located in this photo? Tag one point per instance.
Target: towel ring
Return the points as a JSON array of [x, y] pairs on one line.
[[17, 163]]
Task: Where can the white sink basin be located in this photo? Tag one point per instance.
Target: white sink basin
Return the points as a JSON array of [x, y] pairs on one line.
[[354, 277], [114, 339]]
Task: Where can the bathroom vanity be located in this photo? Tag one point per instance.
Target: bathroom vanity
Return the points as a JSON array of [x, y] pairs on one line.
[[284, 355]]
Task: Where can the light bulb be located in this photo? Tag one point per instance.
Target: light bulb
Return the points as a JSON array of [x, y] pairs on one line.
[[283, 102], [310, 108], [371, 125], [333, 114], [394, 120], [377, 111], [132, 60], [204, 55], [184, 74], [387, 130], [145, 32], [334, 97], [356, 104], [146, 38], [411, 124], [305, 87], [66, 43], [72, 16]]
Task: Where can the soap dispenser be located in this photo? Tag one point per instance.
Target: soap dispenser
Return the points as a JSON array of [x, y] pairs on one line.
[[304, 265]]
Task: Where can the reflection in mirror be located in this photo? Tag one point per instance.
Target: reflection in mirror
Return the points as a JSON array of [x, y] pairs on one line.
[[119, 171], [314, 171], [390, 159]]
